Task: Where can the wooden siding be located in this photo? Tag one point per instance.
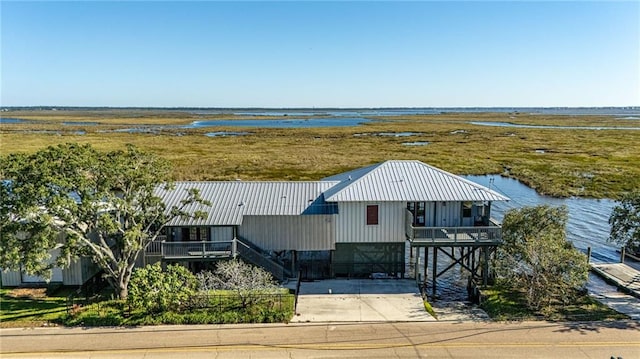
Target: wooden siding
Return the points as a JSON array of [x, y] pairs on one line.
[[221, 234], [300, 233], [448, 214], [351, 226], [79, 271], [11, 278]]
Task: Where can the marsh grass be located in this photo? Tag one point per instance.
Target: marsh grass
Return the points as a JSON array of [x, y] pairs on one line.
[[560, 162]]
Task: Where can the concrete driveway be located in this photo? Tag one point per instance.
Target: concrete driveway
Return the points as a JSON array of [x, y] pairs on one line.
[[360, 300]]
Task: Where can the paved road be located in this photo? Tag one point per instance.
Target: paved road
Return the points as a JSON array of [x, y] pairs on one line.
[[364, 340]]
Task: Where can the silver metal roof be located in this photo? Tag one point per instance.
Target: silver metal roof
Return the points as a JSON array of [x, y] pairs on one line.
[[230, 201], [406, 181]]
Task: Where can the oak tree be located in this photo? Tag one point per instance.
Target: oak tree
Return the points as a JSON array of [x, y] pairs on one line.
[[83, 202]]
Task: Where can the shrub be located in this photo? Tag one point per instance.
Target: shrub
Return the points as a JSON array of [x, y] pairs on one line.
[[244, 279], [156, 290]]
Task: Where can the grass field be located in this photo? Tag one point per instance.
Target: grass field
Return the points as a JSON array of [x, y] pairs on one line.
[[560, 162], [24, 307]]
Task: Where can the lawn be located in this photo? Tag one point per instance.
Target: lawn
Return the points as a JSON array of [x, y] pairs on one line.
[[25, 307], [35, 307], [503, 304]]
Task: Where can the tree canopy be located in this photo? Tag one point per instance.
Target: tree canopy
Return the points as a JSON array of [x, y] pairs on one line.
[[625, 221], [86, 203], [537, 258]]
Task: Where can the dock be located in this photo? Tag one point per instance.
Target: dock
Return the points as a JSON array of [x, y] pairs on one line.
[[623, 276]]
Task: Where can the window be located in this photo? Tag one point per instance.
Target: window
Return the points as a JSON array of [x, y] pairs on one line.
[[372, 214], [466, 209]]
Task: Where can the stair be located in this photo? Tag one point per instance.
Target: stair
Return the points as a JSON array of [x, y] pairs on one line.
[[256, 256]]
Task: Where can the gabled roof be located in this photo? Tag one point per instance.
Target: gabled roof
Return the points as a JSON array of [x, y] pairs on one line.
[[405, 181], [230, 201]]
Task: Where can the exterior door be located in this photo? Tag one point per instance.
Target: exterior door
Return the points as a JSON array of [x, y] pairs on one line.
[[419, 212]]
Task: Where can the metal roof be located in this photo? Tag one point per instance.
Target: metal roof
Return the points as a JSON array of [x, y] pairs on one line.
[[230, 201], [406, 181]]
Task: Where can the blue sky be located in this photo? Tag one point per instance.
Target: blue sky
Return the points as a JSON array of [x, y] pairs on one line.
[[320, 54]]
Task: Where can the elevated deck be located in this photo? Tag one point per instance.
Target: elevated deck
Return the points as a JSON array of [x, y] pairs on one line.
[[454, 236], [213, 251]]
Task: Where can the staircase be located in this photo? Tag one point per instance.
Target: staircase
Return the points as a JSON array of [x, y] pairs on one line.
[[256, 256]]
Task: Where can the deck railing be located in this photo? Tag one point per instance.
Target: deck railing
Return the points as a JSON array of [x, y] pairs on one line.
[[204, 249], [491, 234], [217, 250]]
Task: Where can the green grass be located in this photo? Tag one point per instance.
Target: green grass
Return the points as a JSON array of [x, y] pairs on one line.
[[29, 310], [219, 310], [32, 311], [504, 304]]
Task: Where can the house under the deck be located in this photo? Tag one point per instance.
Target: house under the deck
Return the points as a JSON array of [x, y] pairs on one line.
[[352, 224]]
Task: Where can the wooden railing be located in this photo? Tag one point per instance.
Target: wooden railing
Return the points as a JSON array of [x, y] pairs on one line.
[[204, 249], [217, 250], [491, 234]]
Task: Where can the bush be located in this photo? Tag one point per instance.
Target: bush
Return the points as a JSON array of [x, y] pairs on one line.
[[244, 279], [537, 259], [156, 290]]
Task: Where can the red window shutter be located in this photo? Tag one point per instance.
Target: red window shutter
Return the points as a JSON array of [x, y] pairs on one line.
[[372, 214]]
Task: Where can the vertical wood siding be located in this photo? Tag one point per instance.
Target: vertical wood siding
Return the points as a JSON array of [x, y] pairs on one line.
[[300, 233], [11, 278], [448, 214], [221, 233], [79, 271], [351, 226]]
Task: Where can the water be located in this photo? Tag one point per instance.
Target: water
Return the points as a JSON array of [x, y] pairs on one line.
[[388, 134], [284, 122], [587, 226], [81, 123], [416, 143], [225, 134], [9, 120], [508, 124]]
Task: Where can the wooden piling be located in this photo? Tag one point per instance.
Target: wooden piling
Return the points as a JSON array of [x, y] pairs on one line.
[[435, 271]]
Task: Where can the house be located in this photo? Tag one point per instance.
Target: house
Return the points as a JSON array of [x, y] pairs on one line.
[[76, 274], [365, 222], [359, 223]]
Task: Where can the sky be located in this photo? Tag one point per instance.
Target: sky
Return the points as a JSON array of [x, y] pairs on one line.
[[320, 54]]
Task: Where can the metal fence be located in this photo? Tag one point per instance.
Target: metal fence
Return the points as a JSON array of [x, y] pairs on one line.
[[235, 301]]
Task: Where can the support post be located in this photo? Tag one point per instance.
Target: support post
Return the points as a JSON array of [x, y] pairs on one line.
[[426, 264], [622, 254], [234, 247], [293, 261], [588, 254], [416, 267], [485, 267], [435, 271], [473, 261]]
